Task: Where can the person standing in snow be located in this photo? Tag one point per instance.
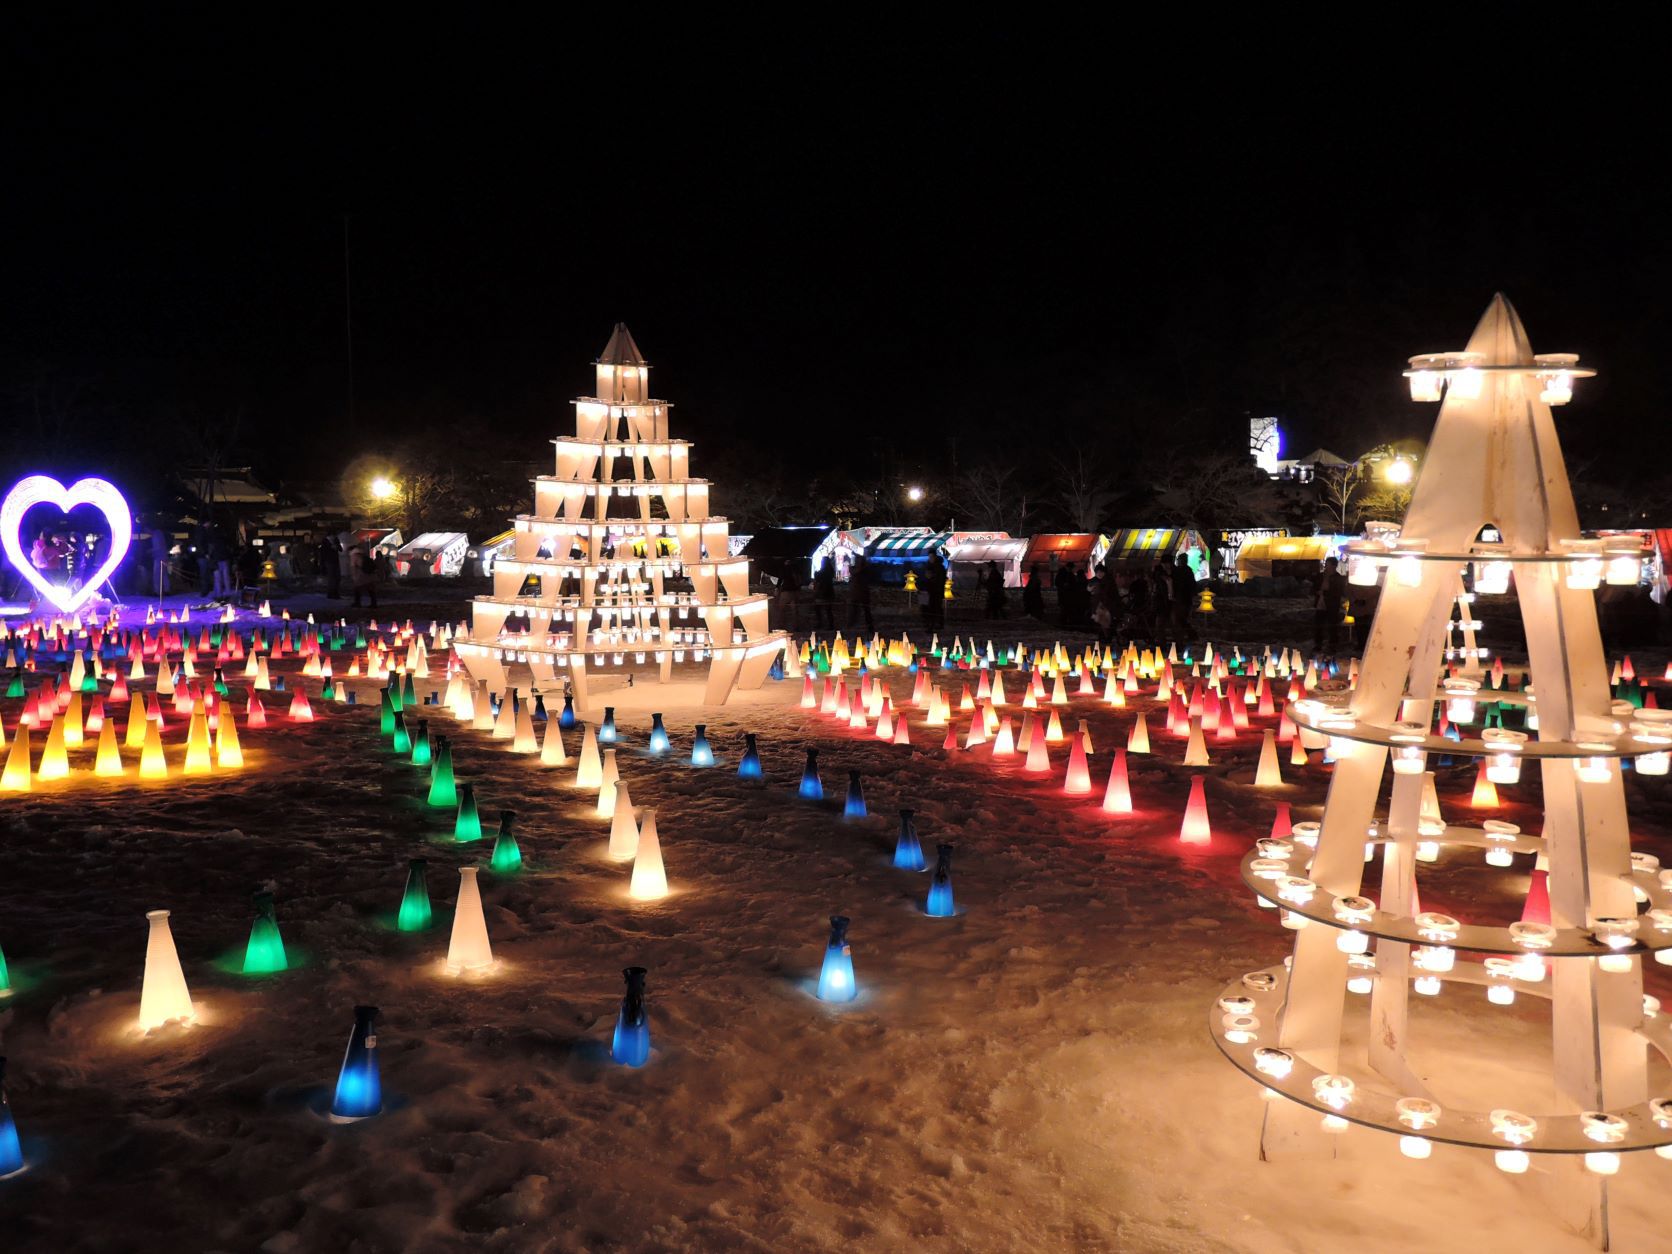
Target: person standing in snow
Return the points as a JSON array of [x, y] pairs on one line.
[[363, 573]]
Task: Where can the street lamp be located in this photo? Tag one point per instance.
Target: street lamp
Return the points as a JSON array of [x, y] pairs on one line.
[[383, 488], [914, 494], [1399, 471]]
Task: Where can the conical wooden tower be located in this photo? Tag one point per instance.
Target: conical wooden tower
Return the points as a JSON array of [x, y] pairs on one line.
[[621, 565], [1493, 494]]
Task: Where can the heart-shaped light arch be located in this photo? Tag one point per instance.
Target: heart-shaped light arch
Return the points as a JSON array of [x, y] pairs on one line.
[[45, 490]]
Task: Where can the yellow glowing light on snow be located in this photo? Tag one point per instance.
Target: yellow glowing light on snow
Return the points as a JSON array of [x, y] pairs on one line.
[[383, 488], [55, 763], [468, 948], [650, 880], [109, 760], [152, 763], [164, 995]]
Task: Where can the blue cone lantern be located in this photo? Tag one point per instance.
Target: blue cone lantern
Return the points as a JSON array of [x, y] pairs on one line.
[[777, 671], [940, 888], [631, 1046], [854, 808], [606, 729], [539, 715], [566, 720], [812, 787], [359, 1086], [750, 767], [702, 753], [659, 742], [11, 1153], [836, 976], [908, 851]]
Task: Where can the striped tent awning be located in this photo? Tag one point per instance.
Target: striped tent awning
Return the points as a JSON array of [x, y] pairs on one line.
[[893, 544], [1133, 544]]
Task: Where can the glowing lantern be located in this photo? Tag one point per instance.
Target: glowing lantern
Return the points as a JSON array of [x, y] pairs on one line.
[[836, 982], [467, 825], [1117, 794], [265, 952], [750, 766], [812, 787], [163, 996], [1485, 795], [1195, 829], [468, 948], [659, 743], [624, 829], [630, 1046], [908, 852], [650, 880], [359, 1092], [11, 1152], [1078, 780], [198, 756], [108, 763], [1267, 774], [152, 763], [606, 786], [854, 806], [507, 855], [590, 771], [443, 789], [702, 754], [552, 752], [940, 904], [415, 913]]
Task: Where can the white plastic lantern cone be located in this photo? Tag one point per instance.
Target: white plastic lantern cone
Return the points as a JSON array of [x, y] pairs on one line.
[[505, 725], [650, 881], [590, 772], [1196, 748], [1138, 740], [1266, 775], [164, 995], [624, 831], [483, 720], [524, 741], [552, 752], [606, 785], [468, 950]]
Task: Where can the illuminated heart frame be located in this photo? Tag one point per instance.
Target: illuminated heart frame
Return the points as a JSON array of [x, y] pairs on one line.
[[45, 490]]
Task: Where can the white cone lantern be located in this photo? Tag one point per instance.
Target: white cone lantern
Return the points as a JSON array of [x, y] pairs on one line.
[[468, 950], [590, 772], [606, 785], [650, 880], [164, 995], [624, 830]]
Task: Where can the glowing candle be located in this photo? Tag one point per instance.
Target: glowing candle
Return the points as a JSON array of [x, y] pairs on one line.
[[836, 982]]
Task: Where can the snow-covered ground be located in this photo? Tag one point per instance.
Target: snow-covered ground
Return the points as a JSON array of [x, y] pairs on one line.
[[1034, 1074]]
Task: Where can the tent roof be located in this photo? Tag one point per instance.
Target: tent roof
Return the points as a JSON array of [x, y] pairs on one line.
[[1288, 549], [1065, 546], [435, 540], [785, 541], [905, 542], [621, 351], [988, 550], [1138, 543]]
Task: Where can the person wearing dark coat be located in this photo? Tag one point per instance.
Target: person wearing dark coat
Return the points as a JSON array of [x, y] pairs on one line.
[[329, 554], [859, 593], [1033, 593], [824, 595], [1329, 593], [934, 583], [992, 580], [1184, 596]]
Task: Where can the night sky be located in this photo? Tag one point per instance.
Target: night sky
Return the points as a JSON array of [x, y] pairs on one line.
[[852, 253]]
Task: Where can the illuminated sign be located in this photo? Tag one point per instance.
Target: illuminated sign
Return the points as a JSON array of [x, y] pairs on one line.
[[45, 490]]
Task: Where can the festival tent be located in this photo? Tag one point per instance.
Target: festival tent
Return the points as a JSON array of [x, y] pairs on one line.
[[432, 553], [1055, 550], [777, 551], [1139, 548], [480, 558], [1300, 556], [967, 559]]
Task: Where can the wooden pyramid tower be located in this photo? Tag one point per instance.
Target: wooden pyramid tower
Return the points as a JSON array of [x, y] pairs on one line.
[[1494, 496]]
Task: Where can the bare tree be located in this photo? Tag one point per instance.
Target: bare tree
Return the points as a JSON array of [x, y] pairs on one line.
[[1087, 489], [1219, 491], [988, 497]]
